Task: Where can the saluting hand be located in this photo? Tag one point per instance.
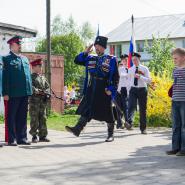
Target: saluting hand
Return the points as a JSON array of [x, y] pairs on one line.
[[89, 49]]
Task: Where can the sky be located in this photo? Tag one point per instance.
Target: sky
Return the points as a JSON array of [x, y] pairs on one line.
[[107, 13]]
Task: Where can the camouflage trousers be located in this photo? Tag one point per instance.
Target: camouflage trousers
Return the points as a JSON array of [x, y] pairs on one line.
[[37, 111]]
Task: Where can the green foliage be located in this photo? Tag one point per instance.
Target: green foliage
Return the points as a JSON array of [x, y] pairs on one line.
[[161, 56], [60, 27], [58, 122], [70, 110], [86, 33], [158, 103], [69, 46], [68, 40], [1, 118]]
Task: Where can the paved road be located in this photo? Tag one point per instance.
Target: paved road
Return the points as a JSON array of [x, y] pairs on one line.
[[133, 159]]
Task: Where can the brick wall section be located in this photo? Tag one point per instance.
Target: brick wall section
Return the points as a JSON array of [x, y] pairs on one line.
[[57, 77]]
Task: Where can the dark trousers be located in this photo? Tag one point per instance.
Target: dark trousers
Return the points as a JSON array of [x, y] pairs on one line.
[[17, 118], [122, 101], [178, 134], [140, 95]]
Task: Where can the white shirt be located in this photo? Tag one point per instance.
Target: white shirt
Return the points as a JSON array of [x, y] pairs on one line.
[[123, 80], [144, 76]]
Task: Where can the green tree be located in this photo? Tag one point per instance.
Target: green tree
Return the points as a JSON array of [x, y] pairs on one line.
[[86, 33], [61, 27], [68, 40], [69, 46], [161, 56]]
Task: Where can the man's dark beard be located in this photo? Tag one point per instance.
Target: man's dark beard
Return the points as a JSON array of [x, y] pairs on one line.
[[99, 53]]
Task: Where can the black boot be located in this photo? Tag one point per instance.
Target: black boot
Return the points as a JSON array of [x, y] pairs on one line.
[[34, 139], [78, 127], [110, 136]]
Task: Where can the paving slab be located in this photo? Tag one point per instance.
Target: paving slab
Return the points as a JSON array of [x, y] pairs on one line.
[[132, 159]]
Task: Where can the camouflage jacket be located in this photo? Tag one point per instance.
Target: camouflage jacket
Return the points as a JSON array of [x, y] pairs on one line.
[[40, 86]]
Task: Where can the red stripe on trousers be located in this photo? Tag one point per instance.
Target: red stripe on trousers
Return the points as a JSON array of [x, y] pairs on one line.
[[6, 119]]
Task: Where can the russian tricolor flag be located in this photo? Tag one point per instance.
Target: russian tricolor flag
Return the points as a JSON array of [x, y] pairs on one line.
[[132, 47], [131, 50]]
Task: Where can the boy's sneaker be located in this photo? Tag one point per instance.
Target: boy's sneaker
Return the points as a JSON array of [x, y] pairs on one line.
[[172, 152], [44, 139], [34, 139]]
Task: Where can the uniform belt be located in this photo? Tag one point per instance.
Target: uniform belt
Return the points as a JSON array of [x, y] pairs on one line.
[[138, 87], [98, 78]]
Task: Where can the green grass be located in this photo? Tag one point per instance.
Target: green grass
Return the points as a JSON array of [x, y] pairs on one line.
[[60, 121], [55, 121]]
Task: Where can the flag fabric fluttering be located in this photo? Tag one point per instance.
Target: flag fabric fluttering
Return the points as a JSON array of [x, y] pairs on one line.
[[131, 50], [132, 47]]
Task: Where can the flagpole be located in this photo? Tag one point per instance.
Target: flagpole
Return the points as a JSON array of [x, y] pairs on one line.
[[133, 34], [132, 47], [98, 31]]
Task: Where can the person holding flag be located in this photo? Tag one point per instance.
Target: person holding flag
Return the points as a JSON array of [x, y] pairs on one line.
[[139, 77]]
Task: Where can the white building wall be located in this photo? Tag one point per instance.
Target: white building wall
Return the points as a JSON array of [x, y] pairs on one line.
[[4, 47]]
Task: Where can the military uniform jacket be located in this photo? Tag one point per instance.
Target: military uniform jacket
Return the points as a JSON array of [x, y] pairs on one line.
[[16, 76], [39, 83], [103, 74]]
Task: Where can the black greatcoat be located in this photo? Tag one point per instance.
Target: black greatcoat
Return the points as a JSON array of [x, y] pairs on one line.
[[96, 104]]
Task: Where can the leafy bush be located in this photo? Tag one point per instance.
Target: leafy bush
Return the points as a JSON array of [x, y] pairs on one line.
[[159, 104], [70, 110]]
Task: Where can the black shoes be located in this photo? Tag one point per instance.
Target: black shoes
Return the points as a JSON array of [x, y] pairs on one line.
[[180, 153], [14, 143], [72, 130], [41, 139], [128, 126], [24, 142], [34, 139], [110, 138], [172, 152], [44, 139]]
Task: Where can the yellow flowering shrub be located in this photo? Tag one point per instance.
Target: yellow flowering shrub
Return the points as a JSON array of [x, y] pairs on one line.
[[159, 103]]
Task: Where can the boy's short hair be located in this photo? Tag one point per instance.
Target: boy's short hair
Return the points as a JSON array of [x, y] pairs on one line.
[[178, 51]]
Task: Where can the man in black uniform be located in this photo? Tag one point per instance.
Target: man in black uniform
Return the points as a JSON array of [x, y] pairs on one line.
[[99, 90]]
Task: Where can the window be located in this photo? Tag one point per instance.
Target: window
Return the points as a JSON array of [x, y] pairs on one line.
[[118, 51], [112, 49], [183, 43], [140, 46]]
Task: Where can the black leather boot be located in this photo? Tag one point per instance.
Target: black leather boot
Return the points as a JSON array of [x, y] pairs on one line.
[[76, 130], [110, 136]]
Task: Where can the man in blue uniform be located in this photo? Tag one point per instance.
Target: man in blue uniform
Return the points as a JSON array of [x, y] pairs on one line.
[[99, 89], [17, 86]]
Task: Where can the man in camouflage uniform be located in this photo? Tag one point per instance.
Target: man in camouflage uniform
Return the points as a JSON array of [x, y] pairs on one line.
[[38, 102]]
